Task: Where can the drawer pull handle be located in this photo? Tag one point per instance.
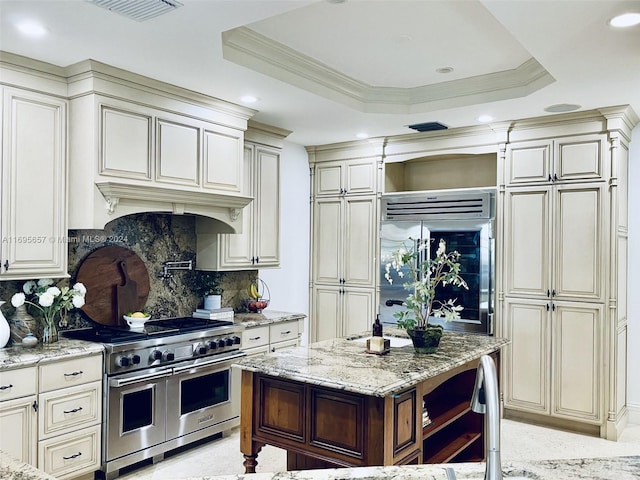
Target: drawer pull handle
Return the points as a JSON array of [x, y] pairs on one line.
[[72, 411], [253, 339], [285, 333], [4, 387], [71, 457], [73, 374]]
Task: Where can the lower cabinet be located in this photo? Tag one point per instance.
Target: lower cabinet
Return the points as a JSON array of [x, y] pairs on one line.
[[53, 413], [269, 338], [341, 311]]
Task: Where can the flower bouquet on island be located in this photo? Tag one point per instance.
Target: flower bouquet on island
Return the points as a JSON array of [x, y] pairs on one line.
[[51, 302]]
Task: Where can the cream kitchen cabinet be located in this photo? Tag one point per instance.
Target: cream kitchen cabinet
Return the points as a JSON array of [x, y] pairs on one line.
[[341, 311], [18, 413], [350, 177], [345, 243], [70, 415], [258, 245], [554, 242], [33, 171], [565, 159], [554, 361], [260, 339]]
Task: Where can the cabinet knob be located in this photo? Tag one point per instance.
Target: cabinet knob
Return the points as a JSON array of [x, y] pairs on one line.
[[6, 265], [257, 259], [555, 177]]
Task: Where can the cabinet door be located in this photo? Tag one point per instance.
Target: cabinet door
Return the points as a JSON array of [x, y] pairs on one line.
[[360, 177], [328, 179], [327, 313], [236, 249], [578, 242], [267, 207], [527, 358], [527, 242], [328, 233], [528, 162], [18, 427], [34, 200], [224, 169], [358, 310], [581, 157], [577, 361], [177, 152], [360, 257]]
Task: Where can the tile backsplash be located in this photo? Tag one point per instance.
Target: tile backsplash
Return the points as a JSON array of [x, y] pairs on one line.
[[155, 238]]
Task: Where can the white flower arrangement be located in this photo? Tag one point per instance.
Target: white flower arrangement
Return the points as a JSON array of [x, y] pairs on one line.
[[51, 301], [421, 301]]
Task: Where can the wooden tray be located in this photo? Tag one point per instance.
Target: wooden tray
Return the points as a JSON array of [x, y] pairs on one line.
[[111, 289]]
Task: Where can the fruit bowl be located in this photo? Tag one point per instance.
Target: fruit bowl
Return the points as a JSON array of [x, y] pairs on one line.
[[259, 296], [136, 322]]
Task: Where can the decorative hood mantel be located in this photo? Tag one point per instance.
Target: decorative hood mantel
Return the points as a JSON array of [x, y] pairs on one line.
[[124, 199]]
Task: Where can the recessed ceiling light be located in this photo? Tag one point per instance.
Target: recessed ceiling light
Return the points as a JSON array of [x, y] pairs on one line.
[[485, 118], [249, 99], [625, 20], [444, 69], [362, 135], [562, 107], [31, 28]]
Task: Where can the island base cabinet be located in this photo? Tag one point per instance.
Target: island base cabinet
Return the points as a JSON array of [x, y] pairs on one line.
[[322, 427], [71, 455]]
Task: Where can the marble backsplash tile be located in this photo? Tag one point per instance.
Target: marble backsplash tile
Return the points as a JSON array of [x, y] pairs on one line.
[[155, 238]]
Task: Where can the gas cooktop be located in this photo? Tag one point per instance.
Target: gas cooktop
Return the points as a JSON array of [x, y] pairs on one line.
[[152, 329]]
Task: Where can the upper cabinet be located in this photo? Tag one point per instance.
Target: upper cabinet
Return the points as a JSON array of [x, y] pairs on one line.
[[258, 245], [351, 177], [138, 145], [33, 169], [572, 158]]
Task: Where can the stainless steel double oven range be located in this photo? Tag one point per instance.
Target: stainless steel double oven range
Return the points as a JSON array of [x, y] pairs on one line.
[[166, 386]]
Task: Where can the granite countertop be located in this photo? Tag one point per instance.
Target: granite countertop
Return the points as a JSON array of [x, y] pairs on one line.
[[12, 469], [19, 356], [339, 363], [267, 317]]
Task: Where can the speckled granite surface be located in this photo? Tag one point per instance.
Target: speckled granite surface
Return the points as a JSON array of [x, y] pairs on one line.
[[266, 317], [340, 363], [12, 469], [18, 356]]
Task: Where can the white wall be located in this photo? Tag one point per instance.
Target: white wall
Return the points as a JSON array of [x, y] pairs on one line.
[[633, 351], [289, 284]]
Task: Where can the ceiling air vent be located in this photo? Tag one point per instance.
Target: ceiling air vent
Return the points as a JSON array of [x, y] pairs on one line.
[[428, 126], [139, 10]]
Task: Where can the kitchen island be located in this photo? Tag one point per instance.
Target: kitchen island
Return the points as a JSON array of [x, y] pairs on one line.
[[331, 404]]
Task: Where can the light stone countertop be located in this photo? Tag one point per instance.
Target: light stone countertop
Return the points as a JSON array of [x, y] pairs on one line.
[[12, 469], [19, 356], [343, 364], [267, 317], [616, 468]]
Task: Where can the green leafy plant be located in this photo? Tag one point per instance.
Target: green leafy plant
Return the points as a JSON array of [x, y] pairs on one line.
[[421, 283], [208, 283]]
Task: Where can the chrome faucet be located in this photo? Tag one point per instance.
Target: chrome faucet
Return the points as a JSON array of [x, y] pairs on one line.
[[485, 400]]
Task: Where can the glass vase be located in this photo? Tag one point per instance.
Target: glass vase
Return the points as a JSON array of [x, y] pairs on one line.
[[49, 330]]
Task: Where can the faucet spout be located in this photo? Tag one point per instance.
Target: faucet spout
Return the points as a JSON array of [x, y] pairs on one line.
[[485, 400]]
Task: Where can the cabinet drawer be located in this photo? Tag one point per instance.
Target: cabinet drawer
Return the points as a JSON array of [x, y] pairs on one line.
[[69, 409], [255, 337], [17, 383], [286, 344], [279, 332], [70, 372], [70, 455]]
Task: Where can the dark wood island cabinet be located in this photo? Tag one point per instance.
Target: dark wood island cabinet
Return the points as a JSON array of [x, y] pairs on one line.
[[330, 404]]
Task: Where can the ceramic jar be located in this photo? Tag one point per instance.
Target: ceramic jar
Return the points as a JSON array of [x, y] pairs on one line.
[[21, 324], [5, 331]]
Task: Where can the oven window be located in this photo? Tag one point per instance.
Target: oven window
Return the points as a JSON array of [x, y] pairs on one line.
[[204, 391], [137, 409], [467, 243]]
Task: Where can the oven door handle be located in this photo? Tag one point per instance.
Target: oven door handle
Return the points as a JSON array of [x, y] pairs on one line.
[[215, 361], [116, 382]]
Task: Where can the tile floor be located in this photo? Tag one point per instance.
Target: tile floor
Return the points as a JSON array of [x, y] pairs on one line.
[[519, 441]]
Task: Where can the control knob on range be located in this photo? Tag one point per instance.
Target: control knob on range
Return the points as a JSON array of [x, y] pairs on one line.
[[156, 355], [122, 361], [236, 340], [229, 341], [213, 345], [221, 343], [168, 356], [135, 359], [200, 349]]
